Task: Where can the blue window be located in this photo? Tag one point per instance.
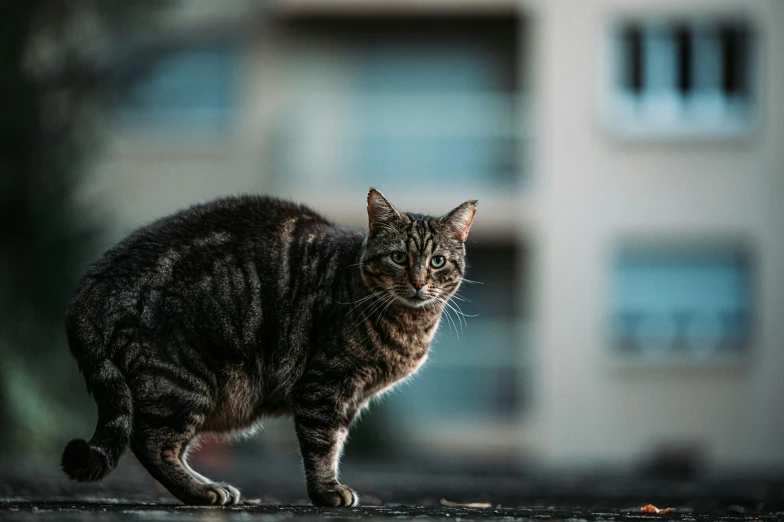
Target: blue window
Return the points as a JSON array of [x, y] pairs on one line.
[[188, 88], [404, 101], [690, 60], [690, 77], [433, 112], [686, 302]]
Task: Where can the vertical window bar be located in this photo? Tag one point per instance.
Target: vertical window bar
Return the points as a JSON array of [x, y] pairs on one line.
[[632, 45], [683, 41], [729, 37], [736, 40]]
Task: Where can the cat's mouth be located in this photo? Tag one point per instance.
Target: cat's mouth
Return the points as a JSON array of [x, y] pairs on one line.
[[416, 300]]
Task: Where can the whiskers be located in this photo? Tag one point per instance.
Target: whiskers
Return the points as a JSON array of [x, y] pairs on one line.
[[375, 305], [447, 308], [359, 301], [450, 305], [378, 302], [460, 298]]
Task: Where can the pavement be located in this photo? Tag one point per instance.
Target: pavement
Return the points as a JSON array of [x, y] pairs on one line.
[[274, 490]]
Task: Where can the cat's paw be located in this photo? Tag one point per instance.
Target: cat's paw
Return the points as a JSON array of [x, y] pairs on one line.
[[232, 492], [335, 496], [215, 495]]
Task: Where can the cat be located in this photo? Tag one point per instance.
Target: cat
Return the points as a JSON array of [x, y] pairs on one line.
[[214, 317]]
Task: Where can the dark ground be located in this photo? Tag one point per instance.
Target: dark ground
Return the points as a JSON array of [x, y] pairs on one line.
[[418, 489]]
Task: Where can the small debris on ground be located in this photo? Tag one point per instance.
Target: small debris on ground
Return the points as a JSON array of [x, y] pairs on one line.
[[445, 502], [650, 508]]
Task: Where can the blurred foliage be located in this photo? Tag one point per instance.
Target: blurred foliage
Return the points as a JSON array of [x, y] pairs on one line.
[[57, 74]]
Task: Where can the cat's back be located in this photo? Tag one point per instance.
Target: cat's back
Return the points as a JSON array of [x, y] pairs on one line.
[[177, 249], [227, 224]]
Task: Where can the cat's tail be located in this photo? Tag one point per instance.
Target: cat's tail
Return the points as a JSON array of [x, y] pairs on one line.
[[89, 461]]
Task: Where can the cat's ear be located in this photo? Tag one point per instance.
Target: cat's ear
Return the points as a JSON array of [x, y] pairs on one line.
[[381, 212], [459, 220]]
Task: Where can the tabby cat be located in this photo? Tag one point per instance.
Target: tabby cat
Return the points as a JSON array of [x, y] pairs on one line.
[[210, 319]]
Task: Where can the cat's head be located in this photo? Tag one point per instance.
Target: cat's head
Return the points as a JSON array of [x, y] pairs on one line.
[[419, 260]]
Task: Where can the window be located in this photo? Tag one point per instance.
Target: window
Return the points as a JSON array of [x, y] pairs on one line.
[[681, 303], [397, 101], [182, 89], [682, 77], [436, 110]]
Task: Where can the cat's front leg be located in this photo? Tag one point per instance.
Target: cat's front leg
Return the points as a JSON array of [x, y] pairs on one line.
[[322, 426]]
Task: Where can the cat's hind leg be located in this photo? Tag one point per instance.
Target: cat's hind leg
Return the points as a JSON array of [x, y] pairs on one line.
[[161, 451], [169, 414]]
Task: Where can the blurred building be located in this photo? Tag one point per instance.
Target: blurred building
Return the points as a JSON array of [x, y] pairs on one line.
[[628, 160]]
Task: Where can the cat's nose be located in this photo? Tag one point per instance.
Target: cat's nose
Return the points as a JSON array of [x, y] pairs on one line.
[[419, 284]]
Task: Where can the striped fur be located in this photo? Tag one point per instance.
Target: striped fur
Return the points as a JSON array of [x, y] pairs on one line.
[[212, 318]]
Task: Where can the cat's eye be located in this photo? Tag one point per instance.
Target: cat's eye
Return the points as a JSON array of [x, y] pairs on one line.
[[437, 261], [399, 257]]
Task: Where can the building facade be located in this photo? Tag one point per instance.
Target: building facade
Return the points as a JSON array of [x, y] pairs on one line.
[[628, 161]]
